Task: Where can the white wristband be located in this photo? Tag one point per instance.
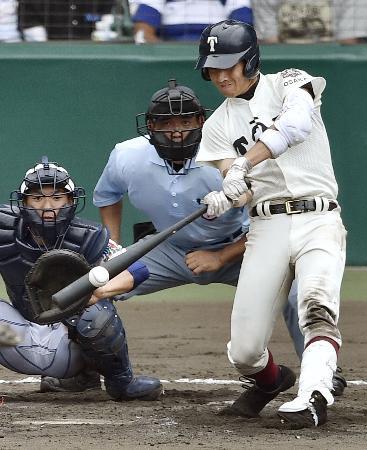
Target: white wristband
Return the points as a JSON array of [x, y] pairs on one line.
[[243, 164], [275, 142]]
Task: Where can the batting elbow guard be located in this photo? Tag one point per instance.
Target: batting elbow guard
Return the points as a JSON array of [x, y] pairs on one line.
[[139, 272], [293, 125]]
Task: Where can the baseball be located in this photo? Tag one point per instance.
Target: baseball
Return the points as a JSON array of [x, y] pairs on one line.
[[99, 276]]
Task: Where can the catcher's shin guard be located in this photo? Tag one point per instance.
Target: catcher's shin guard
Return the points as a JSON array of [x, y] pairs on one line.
[[101, 334]]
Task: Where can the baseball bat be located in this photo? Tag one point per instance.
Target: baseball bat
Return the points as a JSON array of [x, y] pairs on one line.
[[82, 286]]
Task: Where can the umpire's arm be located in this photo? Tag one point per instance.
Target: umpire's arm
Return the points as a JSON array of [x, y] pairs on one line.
[[111, 218]]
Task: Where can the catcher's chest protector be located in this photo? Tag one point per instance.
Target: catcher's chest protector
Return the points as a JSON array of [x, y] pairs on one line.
[[17, 256]]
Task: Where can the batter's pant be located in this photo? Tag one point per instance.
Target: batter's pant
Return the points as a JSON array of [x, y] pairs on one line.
[[310, 246]]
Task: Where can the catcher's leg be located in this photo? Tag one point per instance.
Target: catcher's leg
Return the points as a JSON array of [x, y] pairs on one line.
[[41, 350], [101, 334]]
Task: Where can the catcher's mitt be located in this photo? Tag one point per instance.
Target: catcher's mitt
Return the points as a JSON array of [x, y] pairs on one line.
[[51, 272]]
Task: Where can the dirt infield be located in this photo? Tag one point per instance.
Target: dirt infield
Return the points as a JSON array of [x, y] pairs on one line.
[[185, 340]]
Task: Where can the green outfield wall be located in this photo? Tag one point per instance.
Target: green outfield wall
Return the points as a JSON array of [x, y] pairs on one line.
[[73, 102]]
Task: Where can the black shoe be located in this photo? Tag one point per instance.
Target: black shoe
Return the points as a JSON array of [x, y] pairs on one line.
[[254, 399], [339, 383], [139, 388], [314, 416], [84, 381]]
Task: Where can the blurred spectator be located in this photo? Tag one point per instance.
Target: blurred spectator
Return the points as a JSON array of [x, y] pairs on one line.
[[9, 21], [183, 20], [61, 19], [310, 20]]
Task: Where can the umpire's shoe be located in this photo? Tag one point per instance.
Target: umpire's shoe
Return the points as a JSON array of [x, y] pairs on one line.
[[87, 380], [339, 383], [138, 388], [313, 416], [254, 399]]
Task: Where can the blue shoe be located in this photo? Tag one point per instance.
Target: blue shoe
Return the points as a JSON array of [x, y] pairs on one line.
[[138, 388]]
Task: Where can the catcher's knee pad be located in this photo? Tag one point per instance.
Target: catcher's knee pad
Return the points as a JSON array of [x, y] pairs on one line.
[[100, 329]]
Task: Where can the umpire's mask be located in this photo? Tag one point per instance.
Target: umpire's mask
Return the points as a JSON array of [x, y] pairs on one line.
[[173, 126], [48, 225]]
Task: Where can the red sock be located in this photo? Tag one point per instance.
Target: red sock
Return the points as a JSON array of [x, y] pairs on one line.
[[268, 378], [324, 338]]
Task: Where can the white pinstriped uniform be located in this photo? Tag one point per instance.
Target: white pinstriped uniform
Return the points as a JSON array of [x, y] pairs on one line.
[[310, 245]]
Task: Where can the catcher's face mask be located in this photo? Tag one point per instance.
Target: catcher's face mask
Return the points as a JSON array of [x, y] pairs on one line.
[[48, 200]]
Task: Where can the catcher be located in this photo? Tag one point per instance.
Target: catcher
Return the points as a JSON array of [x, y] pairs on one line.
[[41, 218]]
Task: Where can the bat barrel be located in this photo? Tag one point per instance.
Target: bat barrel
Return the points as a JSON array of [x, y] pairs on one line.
[[82, 286]]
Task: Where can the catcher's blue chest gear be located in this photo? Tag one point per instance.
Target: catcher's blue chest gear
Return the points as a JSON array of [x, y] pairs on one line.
[[18, 252]]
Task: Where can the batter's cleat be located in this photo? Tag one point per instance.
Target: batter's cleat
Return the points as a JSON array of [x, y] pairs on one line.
[[139, 388], [339, 383], [254, 399], [313, 416], [84, 381]]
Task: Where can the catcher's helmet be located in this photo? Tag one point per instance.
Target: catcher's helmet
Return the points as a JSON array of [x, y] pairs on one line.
[[174, 100], [224, 44], [36, 179]]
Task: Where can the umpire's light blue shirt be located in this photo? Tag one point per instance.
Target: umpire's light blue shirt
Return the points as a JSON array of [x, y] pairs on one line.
[[134, 168]]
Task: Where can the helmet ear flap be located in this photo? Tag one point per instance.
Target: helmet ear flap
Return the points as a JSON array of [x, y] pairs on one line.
[[251, 68]]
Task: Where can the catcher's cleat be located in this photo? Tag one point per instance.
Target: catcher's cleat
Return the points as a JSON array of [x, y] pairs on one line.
[[313, 416], [339, 383], [254, 399], [8, 338], [139, 388], [84, 381]]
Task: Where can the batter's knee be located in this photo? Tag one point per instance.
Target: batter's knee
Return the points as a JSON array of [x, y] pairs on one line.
[[248, 358]]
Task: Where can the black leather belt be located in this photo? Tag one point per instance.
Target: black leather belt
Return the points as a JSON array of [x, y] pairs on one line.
[[293, 207]]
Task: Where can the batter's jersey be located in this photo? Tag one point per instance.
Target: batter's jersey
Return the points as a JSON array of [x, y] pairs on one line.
[[186, 19], [134, 168], [304, 170]]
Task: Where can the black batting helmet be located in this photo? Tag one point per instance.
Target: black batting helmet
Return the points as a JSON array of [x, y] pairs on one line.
[[224, 44], [173, 100], [36, 179]]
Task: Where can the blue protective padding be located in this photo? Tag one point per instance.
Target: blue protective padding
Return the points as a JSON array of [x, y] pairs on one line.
[[100, 329]]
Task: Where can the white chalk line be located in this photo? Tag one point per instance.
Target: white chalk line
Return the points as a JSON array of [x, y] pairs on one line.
[[180, 380], [70, 422], [104, 422]]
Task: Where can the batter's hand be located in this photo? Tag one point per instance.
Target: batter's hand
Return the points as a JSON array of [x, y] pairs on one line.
[[217, 203], [203, 261], [234, 183]]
